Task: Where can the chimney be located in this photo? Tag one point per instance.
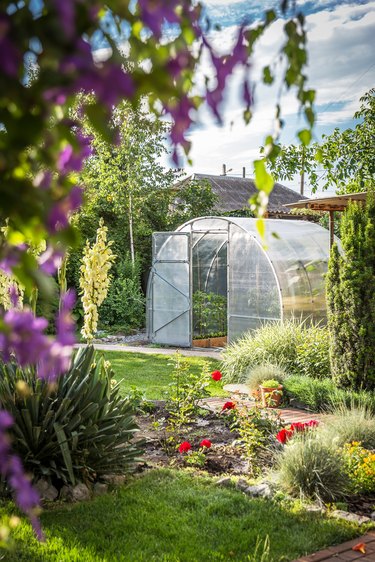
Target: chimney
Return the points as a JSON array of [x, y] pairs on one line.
[[244, 172], [224, 170]]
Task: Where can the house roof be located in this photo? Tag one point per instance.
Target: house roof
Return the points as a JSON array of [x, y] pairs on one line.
[[328, 203], [234, 193]]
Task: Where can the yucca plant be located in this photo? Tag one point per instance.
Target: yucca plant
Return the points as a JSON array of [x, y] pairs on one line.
[[77, 430]]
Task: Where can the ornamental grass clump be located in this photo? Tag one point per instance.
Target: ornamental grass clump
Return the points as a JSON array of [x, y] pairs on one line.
[[311, 468], [95, 280], [348, 424], [256, 375]]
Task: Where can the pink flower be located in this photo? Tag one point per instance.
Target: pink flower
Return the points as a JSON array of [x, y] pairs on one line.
[[184, 447], [216, 376], [228, 406], [205, 443]]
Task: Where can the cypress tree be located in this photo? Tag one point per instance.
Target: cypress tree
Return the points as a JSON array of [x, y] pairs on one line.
[[351, 299]]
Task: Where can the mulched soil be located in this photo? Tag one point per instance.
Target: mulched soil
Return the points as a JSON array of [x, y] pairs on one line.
[[225, 457]]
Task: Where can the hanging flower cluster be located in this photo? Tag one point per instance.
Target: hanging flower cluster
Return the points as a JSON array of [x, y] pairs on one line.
[[95, 280]]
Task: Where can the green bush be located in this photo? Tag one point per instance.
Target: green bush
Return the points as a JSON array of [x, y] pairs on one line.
[[281, 343], [322, 394], [348, 424], [125, 302], [312, 468], [256, 375], [74, 431]]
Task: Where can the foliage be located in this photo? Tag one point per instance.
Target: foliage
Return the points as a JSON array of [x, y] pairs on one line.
[[180, 516], [345, 156], [125, 304], [94, 281], [185, 391], [351, 299], [312, 357], [209, 314], [191, 198], [74, 431], [256, 429], [270, 383], [360, 467], [281, 343], [310, 467], [256, 375], [322, 394], [350, 423]]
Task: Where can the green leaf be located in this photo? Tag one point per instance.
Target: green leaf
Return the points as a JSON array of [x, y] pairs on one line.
[[267, 76], [305, 136], [263, 180]]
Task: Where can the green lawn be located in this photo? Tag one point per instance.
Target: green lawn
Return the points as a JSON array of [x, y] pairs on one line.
[[166, 515], [152, 373]]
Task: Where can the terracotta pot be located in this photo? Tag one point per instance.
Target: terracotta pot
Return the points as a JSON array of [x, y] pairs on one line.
[[201, 343], [271, 397], [210, 342]]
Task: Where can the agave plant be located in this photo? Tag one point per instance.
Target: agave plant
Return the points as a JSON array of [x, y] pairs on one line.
[[79, 429]]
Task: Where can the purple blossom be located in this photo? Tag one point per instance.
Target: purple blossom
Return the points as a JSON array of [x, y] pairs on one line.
[[50, 260], [72, 161], [11, 57], [180, 113], [23, 336], [11, 468], [154, 14], [12, 257], [14, 295], [58, 218], [66, 13], [65, 326]]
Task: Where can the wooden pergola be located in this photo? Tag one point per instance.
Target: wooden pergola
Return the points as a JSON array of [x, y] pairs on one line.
[[330, 204]]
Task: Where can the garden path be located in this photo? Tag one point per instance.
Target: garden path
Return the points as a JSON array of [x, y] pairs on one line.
[[157, 350], [345, 552]]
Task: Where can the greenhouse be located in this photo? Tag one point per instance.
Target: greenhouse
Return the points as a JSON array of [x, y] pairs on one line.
[[215, 278]]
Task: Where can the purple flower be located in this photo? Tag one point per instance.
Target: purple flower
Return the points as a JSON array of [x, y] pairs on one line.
[[23, 336], [66, 13], [50, 260], [14, 295], [70, 160], [65, 326], [12, 257], [154, 14], [11, 469], [11, 58], [58, 218]]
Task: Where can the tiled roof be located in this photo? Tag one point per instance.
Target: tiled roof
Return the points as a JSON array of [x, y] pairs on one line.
[[234, 193]]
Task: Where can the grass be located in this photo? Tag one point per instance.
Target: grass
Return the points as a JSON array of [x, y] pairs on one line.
[[152, 373], [173, 516]]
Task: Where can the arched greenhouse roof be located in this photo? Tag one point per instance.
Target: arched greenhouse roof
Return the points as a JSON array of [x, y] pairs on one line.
[[280, 276]]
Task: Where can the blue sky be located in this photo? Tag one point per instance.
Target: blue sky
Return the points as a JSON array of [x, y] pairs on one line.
[[341, 45]]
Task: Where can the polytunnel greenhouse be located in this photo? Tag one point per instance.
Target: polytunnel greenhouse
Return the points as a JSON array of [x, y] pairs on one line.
[[215, 278]]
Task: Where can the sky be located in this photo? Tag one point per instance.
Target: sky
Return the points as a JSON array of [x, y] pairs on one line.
[[341, 68]]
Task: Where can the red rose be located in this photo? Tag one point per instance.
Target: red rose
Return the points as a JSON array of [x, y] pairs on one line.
[[228, 406], [216, 375], [298, 426], [184, 447], [312, 423], [205, 443], [284, 435]]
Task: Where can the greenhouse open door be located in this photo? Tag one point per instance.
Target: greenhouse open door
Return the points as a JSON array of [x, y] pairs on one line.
[[169, 310]]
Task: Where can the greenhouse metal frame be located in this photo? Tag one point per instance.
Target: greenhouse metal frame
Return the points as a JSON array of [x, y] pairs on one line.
[[216, 267]]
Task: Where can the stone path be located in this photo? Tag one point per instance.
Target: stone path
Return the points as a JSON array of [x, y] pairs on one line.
[[157, 350], [344, 552], [288, 415]]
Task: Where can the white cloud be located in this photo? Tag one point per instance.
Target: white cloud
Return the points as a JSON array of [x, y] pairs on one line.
[[341, 43]]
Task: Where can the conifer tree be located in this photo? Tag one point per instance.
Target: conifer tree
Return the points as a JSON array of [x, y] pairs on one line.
[[351, 299]]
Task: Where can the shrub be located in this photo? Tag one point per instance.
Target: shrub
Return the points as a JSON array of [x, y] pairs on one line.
[[281, 343], [78, 429], [322, 395], [124, 306], [256, 375], [348, 424], [312, 468], [360, 467]]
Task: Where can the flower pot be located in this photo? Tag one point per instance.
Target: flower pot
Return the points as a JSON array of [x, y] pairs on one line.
[[271, 397]]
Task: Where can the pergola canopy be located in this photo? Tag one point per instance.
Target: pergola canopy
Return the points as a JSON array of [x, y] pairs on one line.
[[260, 280]]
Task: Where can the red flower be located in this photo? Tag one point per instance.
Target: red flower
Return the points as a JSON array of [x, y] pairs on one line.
[[205, 443], [298, 426], [184, 447], [312, 423], [284, 435], [228, 406], [216, 375]]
